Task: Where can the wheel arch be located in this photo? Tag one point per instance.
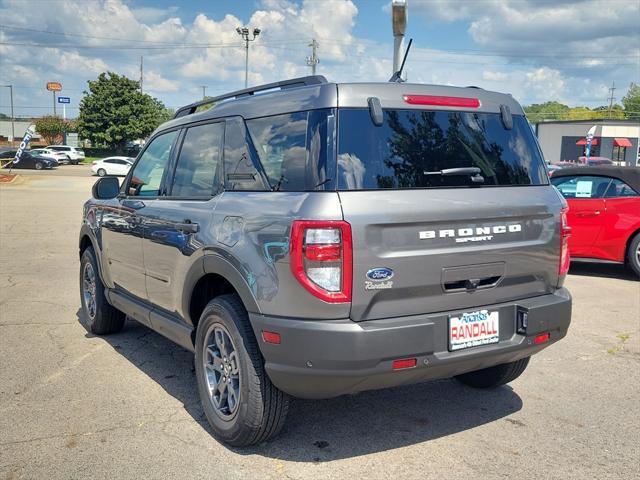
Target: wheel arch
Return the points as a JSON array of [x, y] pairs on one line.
[[213, 277], [628, 243]]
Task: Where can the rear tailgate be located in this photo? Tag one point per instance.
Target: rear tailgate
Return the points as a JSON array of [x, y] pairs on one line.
[[450, 249]]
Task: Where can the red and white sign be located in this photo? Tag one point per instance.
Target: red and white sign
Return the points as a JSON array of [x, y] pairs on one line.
[[473, 329]]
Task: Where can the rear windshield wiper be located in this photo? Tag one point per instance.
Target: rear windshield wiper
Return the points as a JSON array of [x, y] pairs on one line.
[[473, 172]]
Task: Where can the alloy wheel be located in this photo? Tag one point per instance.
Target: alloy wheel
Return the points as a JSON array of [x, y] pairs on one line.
[[222, 371], [89, 289]]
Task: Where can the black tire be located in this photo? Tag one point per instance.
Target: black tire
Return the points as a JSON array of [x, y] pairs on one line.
[[39, 166], [102, 172], [105, 319], [494, 376], [262, 409], [633, 254]]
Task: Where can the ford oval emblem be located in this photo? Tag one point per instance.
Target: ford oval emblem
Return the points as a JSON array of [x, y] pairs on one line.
[[380, 273]]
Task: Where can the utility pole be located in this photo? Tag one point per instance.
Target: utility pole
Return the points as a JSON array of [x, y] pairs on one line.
[[204, 91], [141, 73], [313, 60], [611, 98], [244, 33], [13, 128]]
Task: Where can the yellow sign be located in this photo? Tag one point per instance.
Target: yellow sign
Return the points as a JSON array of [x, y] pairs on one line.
[[54, 86]]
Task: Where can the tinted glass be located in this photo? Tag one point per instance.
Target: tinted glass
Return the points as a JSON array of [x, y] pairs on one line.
[[581, 186], [147, 175], [617, 188], [240, 171], [412, 142], [293, 149], [198, 161]]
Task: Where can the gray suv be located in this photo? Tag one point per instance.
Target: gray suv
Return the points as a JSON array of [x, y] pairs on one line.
[[314, 239]]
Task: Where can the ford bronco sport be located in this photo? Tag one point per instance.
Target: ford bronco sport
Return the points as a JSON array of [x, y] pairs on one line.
[[314, 239]]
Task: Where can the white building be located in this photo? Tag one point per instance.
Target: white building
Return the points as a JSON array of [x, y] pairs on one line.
[[20, 128], [614, 139]]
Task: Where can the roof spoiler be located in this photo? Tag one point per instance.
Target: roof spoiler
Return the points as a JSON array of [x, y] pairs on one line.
[[294, 82]]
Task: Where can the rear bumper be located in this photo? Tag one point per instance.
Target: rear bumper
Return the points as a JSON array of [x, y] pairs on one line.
[[324, 359]]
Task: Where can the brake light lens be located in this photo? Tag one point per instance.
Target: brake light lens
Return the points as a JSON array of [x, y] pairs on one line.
[[565, 233], [440, 101], [542, 338], [321, 258]]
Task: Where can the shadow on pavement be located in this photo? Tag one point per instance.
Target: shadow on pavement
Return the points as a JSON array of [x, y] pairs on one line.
[[605, 270], [326, 430]]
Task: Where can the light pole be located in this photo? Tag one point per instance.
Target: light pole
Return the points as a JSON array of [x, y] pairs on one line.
[[244, 33], [13, 128], [399, 23]]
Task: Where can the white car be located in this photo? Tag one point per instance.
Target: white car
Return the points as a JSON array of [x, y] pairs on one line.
[[57, 156], [75, 154], [112, 166]]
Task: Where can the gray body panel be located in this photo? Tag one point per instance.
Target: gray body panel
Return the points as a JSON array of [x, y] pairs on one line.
[[150, 266]]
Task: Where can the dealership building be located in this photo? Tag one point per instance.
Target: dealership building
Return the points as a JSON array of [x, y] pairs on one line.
[[614, 139]]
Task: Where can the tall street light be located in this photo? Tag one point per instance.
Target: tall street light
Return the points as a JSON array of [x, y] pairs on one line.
[[399, 24], [13, 129], [244, 33]]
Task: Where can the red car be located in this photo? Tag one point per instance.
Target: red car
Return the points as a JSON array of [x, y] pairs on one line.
[[604, 213]]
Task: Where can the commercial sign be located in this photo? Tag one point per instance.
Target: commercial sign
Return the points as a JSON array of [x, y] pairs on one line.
[[54, 86], [25, 141], [64, 100], [589, 138]]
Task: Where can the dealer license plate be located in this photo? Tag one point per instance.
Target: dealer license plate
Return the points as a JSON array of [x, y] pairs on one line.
[[473, 329]]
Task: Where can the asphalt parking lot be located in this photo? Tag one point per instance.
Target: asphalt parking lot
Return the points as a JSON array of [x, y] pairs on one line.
[[77, 406]]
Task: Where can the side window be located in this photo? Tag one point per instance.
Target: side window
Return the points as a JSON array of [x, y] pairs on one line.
[[281, 144], [198, 162], [582, 186], [147, 175], [618, 188], [239, 170]]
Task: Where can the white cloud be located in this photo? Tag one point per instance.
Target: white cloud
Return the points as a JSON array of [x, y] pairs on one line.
[[494, 76], [524, 47], [155, 82]]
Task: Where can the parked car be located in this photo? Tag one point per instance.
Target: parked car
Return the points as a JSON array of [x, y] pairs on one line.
[[112, 166], [595, 161], [7, 152], [369, 235], [552, 168], [604, 213], [31, 159], [75, 154], [59, 157]]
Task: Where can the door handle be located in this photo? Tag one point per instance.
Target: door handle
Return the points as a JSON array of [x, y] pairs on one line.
[[588, 214], [188, 227], [133, 204]]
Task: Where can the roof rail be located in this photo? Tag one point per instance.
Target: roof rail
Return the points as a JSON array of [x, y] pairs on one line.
[[294, 82]]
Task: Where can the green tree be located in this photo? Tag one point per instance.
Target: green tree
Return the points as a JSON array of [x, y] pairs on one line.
[[631, 102], [540, 112], [114, 111], [51, 128]]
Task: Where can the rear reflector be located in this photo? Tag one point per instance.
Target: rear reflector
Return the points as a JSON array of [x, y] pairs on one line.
[[542, 338], [404, 363], [439, 101], [565, 233], [271, 337]]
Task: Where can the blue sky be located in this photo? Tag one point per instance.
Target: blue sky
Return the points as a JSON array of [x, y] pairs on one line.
[[538, 50]]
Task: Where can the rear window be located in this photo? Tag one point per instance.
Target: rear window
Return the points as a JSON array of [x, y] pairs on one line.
[[412, 146]]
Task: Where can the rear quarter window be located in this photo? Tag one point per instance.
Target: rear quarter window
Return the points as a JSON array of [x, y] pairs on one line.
[[397, 154]]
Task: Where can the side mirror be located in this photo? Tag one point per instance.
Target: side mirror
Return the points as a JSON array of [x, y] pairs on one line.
[[106, 188]]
